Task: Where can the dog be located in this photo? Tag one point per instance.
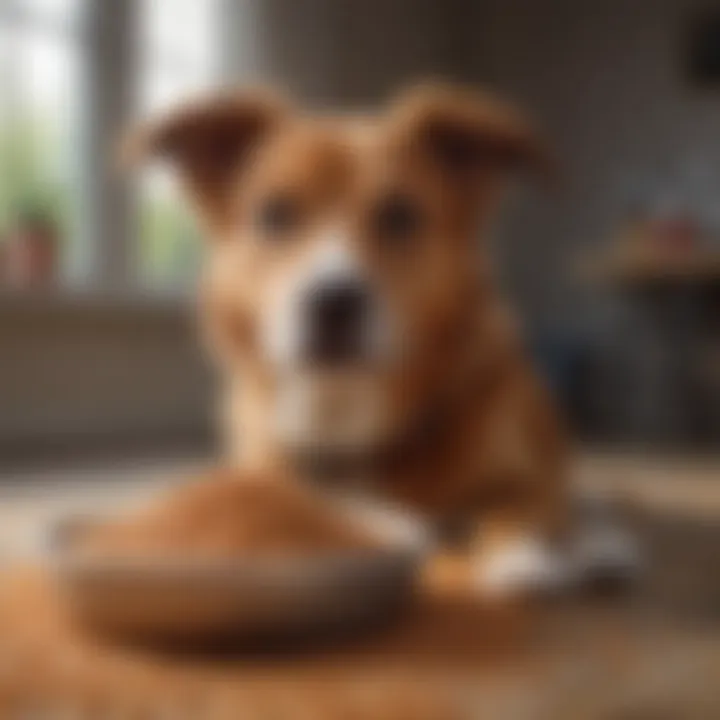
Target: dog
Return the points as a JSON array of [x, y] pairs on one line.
[[349, 301]]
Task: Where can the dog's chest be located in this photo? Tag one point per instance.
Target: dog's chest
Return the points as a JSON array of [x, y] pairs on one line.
[[344, 412]]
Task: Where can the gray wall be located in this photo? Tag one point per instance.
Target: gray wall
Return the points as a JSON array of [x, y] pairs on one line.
[[605, 80], [351, 52]]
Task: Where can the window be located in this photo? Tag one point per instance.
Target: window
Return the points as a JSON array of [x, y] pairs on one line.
[[65, 67], [40, 46], [180, 57]]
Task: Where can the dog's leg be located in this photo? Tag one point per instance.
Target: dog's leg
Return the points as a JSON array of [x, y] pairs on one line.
[[517, 558], [520, 554]]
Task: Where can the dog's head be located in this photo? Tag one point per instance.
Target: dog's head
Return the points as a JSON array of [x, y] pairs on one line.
[[342, 247]]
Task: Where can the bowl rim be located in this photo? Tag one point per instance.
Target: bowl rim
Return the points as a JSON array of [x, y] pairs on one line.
[[411, 543]]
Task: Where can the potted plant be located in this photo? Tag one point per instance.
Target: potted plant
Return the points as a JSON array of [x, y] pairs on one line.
[[31, 244]]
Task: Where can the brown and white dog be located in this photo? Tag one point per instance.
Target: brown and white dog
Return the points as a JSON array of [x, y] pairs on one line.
[[348, 298]]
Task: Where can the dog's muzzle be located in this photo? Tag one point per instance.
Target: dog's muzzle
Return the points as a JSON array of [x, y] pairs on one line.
[[329, 315]]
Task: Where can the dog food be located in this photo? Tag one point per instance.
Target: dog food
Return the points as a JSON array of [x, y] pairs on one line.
[[228, 514]]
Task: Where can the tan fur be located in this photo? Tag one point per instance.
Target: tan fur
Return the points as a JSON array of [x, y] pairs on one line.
[[497, 453]]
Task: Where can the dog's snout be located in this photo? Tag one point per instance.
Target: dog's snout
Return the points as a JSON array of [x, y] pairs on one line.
[[339, 306], [337, 315]]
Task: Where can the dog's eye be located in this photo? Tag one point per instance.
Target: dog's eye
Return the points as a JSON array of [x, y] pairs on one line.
[[278, 215], [397, 219]]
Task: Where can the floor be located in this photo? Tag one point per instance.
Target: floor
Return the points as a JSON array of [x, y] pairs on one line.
[[654, 654]]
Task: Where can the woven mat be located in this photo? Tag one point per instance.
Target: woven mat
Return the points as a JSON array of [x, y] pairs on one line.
[[47, 665], [653, 655]]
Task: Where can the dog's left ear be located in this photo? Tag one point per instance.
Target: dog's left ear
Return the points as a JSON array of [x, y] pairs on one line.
[[471, 135]]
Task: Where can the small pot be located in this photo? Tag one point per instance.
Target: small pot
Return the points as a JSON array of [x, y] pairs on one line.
[[30, 255]]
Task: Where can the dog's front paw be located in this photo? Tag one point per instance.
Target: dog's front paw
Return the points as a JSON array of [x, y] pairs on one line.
[[520, 567]]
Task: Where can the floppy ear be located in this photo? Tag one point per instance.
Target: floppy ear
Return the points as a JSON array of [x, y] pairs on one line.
[[207, 141], [471, 135]]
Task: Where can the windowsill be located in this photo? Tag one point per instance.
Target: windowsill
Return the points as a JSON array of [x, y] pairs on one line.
[[93, 301]]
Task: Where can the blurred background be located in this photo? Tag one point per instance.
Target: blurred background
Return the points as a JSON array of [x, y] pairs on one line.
[[615, 273]]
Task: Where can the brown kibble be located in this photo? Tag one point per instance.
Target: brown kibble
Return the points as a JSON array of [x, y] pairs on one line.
[[228, 514]]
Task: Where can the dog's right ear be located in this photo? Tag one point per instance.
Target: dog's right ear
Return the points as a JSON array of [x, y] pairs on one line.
[[208, 142]]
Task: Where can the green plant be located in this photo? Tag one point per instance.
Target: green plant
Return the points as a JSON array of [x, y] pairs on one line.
[[29, 193], [40, 209]]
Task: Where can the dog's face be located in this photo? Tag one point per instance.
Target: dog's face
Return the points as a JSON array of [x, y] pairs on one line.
[[342, 251]]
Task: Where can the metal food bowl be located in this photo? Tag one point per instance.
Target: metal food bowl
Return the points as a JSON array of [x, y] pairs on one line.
[[245, 600]]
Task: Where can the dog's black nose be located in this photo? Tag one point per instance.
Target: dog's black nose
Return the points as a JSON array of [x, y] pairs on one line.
[[337, 319], [339, 306]]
